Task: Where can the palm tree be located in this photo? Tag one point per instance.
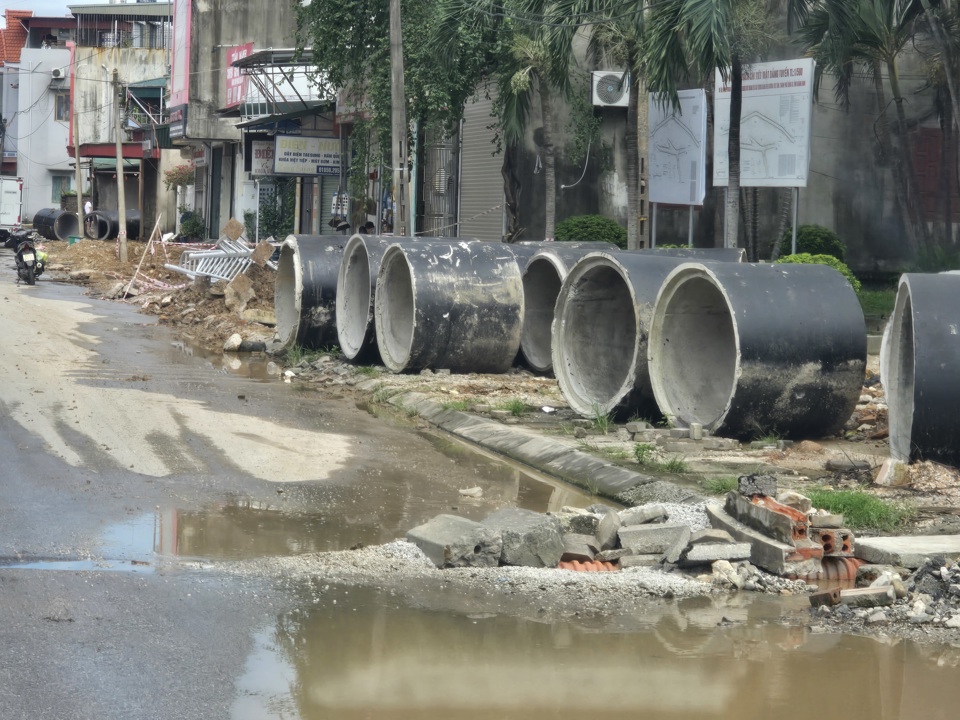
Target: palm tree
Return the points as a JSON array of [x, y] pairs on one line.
[[869, 35]]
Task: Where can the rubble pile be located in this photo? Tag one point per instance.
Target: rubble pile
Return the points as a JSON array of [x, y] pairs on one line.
[[665, 536], [927, 598]]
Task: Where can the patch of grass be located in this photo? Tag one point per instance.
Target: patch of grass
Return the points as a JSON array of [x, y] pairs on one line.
[[296, 354], [861, 509], [675, 466], [601, 421], [515, 406], [720, 485], [615, 453], [383, 393], [456, 405], [368, 370], [878, 303], [644, 452]]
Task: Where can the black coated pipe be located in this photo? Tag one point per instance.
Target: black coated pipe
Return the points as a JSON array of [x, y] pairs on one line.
[[543, 275], [45, 220], [305, 290], [752, 350], [921, 357], [448, 304], [600, 328], [105, 224]]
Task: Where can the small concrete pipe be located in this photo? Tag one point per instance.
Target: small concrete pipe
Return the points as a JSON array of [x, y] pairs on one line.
[[543, 276], [305, 290], [600, 330], [752, 350], [919, 371], [454, 305], [356, 289]]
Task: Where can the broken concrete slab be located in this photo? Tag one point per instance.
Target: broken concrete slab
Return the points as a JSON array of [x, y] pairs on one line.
[[827, 520], [612, 555], [629, 561], [607, 530], [757, 485], [708, 553], [579, 547], [711, 535], [907, 551], [773, 524], [868, 597], [655, 538], [765, 552], [530, 539], [572, 523], [454, 541], [643, 514], [825, 597]]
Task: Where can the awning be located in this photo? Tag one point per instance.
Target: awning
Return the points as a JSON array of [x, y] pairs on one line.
[[318, 107], [148, 89]]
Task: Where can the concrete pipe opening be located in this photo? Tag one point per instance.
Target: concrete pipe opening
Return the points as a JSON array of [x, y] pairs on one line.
[[754, 350], [921, 360], [287, 293], [542, 280], [356, 287], [99, 226], [595, 343], [66, 225], [395, 310], [693, 373]]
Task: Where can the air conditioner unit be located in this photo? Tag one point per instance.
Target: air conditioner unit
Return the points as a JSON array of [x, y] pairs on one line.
[[611, 89], [58, 73]]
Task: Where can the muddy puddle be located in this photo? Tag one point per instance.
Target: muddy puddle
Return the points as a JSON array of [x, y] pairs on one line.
[[360, 654]]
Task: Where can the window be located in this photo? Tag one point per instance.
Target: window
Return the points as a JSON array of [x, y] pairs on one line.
[[63, 106], [60, 184]]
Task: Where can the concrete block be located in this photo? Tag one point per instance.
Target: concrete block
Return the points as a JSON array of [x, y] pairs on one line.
[[711, 535], [722, 444], [892, 473], [748, 485], [827, 520], [578, 523], [679, 447], [612, 555], [579, 547], [868, 597], [530, 539], [647, 436], [607, 530], [696, 431], [679, 433], [825, 597], [650, 539], [795, 500], [453, 541], [770, 523], [648, 560], [637, 426], [708, 553], [846, 465], [643, 514]]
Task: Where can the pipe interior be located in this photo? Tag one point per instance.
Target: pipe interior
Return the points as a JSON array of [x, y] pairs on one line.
[[599, 338], [541, 286], [286, 294], [65, 225], [697, 347], [353, 301], [900, 382], [396, 308]]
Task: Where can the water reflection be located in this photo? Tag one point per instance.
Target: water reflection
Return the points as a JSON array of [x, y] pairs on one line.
[[358, 654]]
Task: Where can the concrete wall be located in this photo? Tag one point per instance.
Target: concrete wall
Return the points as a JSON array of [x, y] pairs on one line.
[[41, 138]]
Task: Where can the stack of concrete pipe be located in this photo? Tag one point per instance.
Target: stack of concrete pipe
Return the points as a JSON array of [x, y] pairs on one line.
[[919, 362], [105, 224]]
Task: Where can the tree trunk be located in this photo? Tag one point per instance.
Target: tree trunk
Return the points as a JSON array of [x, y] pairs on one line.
[[733, 154], [903, 146], [398, 126], [946, 59], [899, 181], [633, 156], [549, 161], [786, 205], [511, 191]]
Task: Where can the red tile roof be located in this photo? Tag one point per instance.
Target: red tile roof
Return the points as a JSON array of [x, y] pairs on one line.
[[14, 37]]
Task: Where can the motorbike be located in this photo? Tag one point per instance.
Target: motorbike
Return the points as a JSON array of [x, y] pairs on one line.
[[29, 261]]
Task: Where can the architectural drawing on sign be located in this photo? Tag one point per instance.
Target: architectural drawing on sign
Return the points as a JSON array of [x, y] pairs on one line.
[[761, 142], [677, 147]]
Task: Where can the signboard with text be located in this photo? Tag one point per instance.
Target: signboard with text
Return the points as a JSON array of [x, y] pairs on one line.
[[262, 157], [299, 155], [236, 90], [774, 125], [678, 149]]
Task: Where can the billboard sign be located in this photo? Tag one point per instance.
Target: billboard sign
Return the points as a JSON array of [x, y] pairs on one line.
[[262, 157], [774, 125], [677, 149], [236, 90], [299, 155]]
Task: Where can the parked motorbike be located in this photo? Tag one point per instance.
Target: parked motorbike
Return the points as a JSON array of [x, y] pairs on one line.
[[29, 261]]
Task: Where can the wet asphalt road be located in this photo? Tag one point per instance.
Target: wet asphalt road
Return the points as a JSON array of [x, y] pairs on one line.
[[106, 428]]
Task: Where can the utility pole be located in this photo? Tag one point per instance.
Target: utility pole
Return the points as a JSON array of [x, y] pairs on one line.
[[76, 155], [398, 122], [121, 190]]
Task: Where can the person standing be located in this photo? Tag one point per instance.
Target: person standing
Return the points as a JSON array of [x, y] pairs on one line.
[[87, 207]]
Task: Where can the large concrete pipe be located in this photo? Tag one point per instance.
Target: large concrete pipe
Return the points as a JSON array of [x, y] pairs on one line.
[[43, 222], [356, 289], [105, 224], [922, 356], [66, 225], [752, 350], [455, 305], [543, 276], [600, 330], [701, 254], [305, 290]]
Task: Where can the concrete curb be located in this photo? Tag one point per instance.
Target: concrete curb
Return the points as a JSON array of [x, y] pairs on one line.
[[549, 456]]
